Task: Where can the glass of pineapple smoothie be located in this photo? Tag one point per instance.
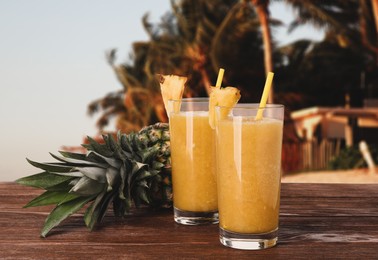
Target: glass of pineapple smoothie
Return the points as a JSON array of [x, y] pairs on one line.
[[193, 162], [249, 175]]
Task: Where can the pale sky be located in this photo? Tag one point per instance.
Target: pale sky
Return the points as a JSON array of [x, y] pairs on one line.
[[52, 65]]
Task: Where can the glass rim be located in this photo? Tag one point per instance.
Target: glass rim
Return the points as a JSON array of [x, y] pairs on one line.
[[187, 100], [252, 106]]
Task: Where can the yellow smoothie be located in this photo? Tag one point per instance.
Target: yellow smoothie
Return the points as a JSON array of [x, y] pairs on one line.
[[249, 174], [193, 162]]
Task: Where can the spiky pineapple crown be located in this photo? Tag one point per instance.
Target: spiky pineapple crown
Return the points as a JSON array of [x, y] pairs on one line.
[[132, 170]]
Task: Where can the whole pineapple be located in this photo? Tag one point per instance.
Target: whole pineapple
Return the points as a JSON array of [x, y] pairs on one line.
[[132, 170], [157, 137]]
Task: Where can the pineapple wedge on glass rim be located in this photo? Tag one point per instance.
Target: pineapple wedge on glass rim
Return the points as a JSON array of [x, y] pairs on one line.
[[226, 97], [172, 88]]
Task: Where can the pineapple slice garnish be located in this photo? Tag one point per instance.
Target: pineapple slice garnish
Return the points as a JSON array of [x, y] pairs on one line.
[[172, 88], [225, 97]]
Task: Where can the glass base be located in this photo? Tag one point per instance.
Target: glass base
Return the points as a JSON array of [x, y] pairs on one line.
[[195, 218], [248, 241]]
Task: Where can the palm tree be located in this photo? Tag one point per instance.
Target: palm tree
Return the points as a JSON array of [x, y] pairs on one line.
[[349, 24], [194, 40], [354, 22], [263, 15], [375, 12], [198, 37], [369, 34]]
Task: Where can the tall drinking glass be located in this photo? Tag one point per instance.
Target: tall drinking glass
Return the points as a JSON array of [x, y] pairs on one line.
[[249, 175], [193, 162]]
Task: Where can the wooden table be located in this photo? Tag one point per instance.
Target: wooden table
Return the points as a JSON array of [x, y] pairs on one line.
[[317, 221]]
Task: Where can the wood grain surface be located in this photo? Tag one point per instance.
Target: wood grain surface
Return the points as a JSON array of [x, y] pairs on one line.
[[317, 221]]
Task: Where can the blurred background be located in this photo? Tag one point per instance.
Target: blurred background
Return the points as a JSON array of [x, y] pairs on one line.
[[69, 69]]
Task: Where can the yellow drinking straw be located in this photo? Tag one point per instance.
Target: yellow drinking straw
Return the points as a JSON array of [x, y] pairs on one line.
[[220, 78], [264, 98]]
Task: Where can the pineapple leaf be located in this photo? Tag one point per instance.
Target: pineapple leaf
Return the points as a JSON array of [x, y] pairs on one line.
[[112, 162], [140, 196], [43, 180], [72, 174], [69, 197], [86, 187], [157, 165], [116, 148], [99, 148], [149, 154], [77, 156], [94, 173], [50, 167], [143, 175], [110, 142], [119, 207], [64, 186], [111, 177], [139, 166], [143, 184], [97, 210], [122, 173], [75, 162], [50, 197], [73, 182], [62, 211], [133, 138], [155, 173], [93, 157], [138, 169], [119, 134], [89, 217], [88, 213], [125, 145]]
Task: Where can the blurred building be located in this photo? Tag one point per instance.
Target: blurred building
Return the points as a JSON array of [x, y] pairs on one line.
[[324, 130]]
